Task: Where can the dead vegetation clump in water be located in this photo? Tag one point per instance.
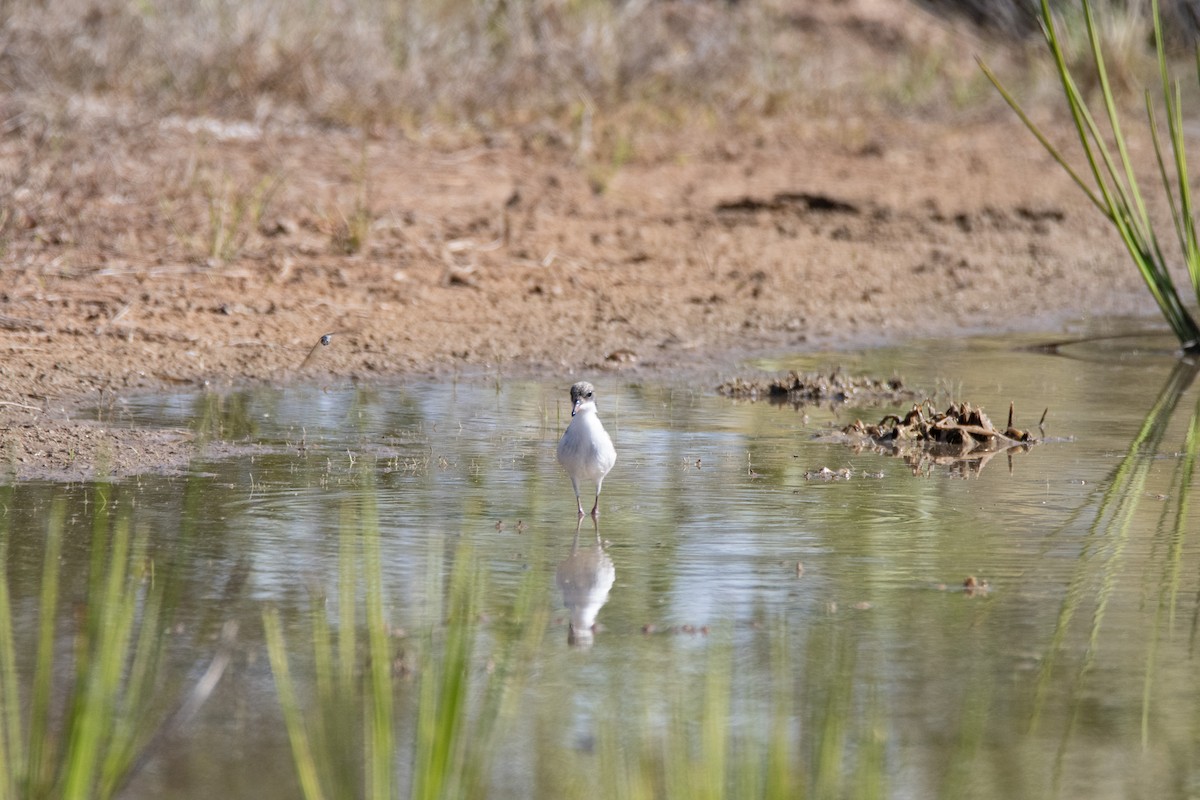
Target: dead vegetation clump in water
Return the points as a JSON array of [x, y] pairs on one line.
[[835, 388], [961, 436]]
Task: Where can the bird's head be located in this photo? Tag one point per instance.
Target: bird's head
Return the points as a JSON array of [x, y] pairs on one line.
[[582, 394]]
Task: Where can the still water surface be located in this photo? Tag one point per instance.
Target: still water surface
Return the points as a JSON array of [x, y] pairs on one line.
[[1074, 675]]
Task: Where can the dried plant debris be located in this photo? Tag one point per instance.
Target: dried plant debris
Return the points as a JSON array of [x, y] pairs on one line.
[[962, 426], [843, 474], [974, 587], [834, 388], [961, 436], [827, 474]]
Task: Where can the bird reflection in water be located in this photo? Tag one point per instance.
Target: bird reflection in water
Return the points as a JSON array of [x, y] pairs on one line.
[[585, 578]]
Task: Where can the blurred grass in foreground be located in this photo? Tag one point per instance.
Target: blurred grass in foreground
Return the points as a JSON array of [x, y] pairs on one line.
[[345, 743], [88, 713], [816, 731], [816, 735]]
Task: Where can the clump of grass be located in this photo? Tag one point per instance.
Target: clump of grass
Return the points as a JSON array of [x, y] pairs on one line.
[[1116, 192], [233, 212], [350, 231], [600, 171], [344, 743], [88, 744]]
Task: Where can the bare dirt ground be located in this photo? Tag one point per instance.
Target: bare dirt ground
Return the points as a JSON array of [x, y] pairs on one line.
[[140, 255]]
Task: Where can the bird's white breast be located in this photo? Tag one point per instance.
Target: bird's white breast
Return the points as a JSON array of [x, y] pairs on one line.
[[586, 447]]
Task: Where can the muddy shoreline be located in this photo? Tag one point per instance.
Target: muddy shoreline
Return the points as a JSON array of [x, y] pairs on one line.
[[507, 259]]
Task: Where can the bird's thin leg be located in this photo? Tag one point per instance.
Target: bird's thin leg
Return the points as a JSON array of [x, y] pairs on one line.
[[578, 502], [596, 505]]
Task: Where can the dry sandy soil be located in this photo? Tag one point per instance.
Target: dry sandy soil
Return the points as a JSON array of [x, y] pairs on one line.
[[508, 254]]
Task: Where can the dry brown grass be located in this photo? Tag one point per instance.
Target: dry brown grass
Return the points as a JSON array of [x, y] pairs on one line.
[[482, 64], [374, 61], [492, 62], [489, 64]]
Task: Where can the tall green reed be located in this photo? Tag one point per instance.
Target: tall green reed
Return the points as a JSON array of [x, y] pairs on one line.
[[1117, 194]]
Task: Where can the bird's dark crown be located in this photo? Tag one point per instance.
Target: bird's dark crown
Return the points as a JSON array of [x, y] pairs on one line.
[[583, 390]]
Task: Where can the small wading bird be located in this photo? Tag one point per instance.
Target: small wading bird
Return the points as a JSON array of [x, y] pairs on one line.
[[585, 450]]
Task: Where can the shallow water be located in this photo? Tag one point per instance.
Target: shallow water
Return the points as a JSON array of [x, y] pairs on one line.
[[1073, 675]]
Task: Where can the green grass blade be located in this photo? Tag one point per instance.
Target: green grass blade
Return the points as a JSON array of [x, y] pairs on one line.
[[1132, 200], [12, 745], [426, 785], [1118, 186], [1191, 451], [1116, 192], [41, 750], [378, 694], [331, 745], [714, 724], [1042, 138], [1181, 215], [347, 644], [123, 750], [781, 778], [101, 692], [445, 685], [1184, 217], [1085, 126], [306, 766], [1122, 492], [1118, 199], [831, 720], [1127, 208], [12, 753], [1169, 588], [504, 684], [1156, 140]]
